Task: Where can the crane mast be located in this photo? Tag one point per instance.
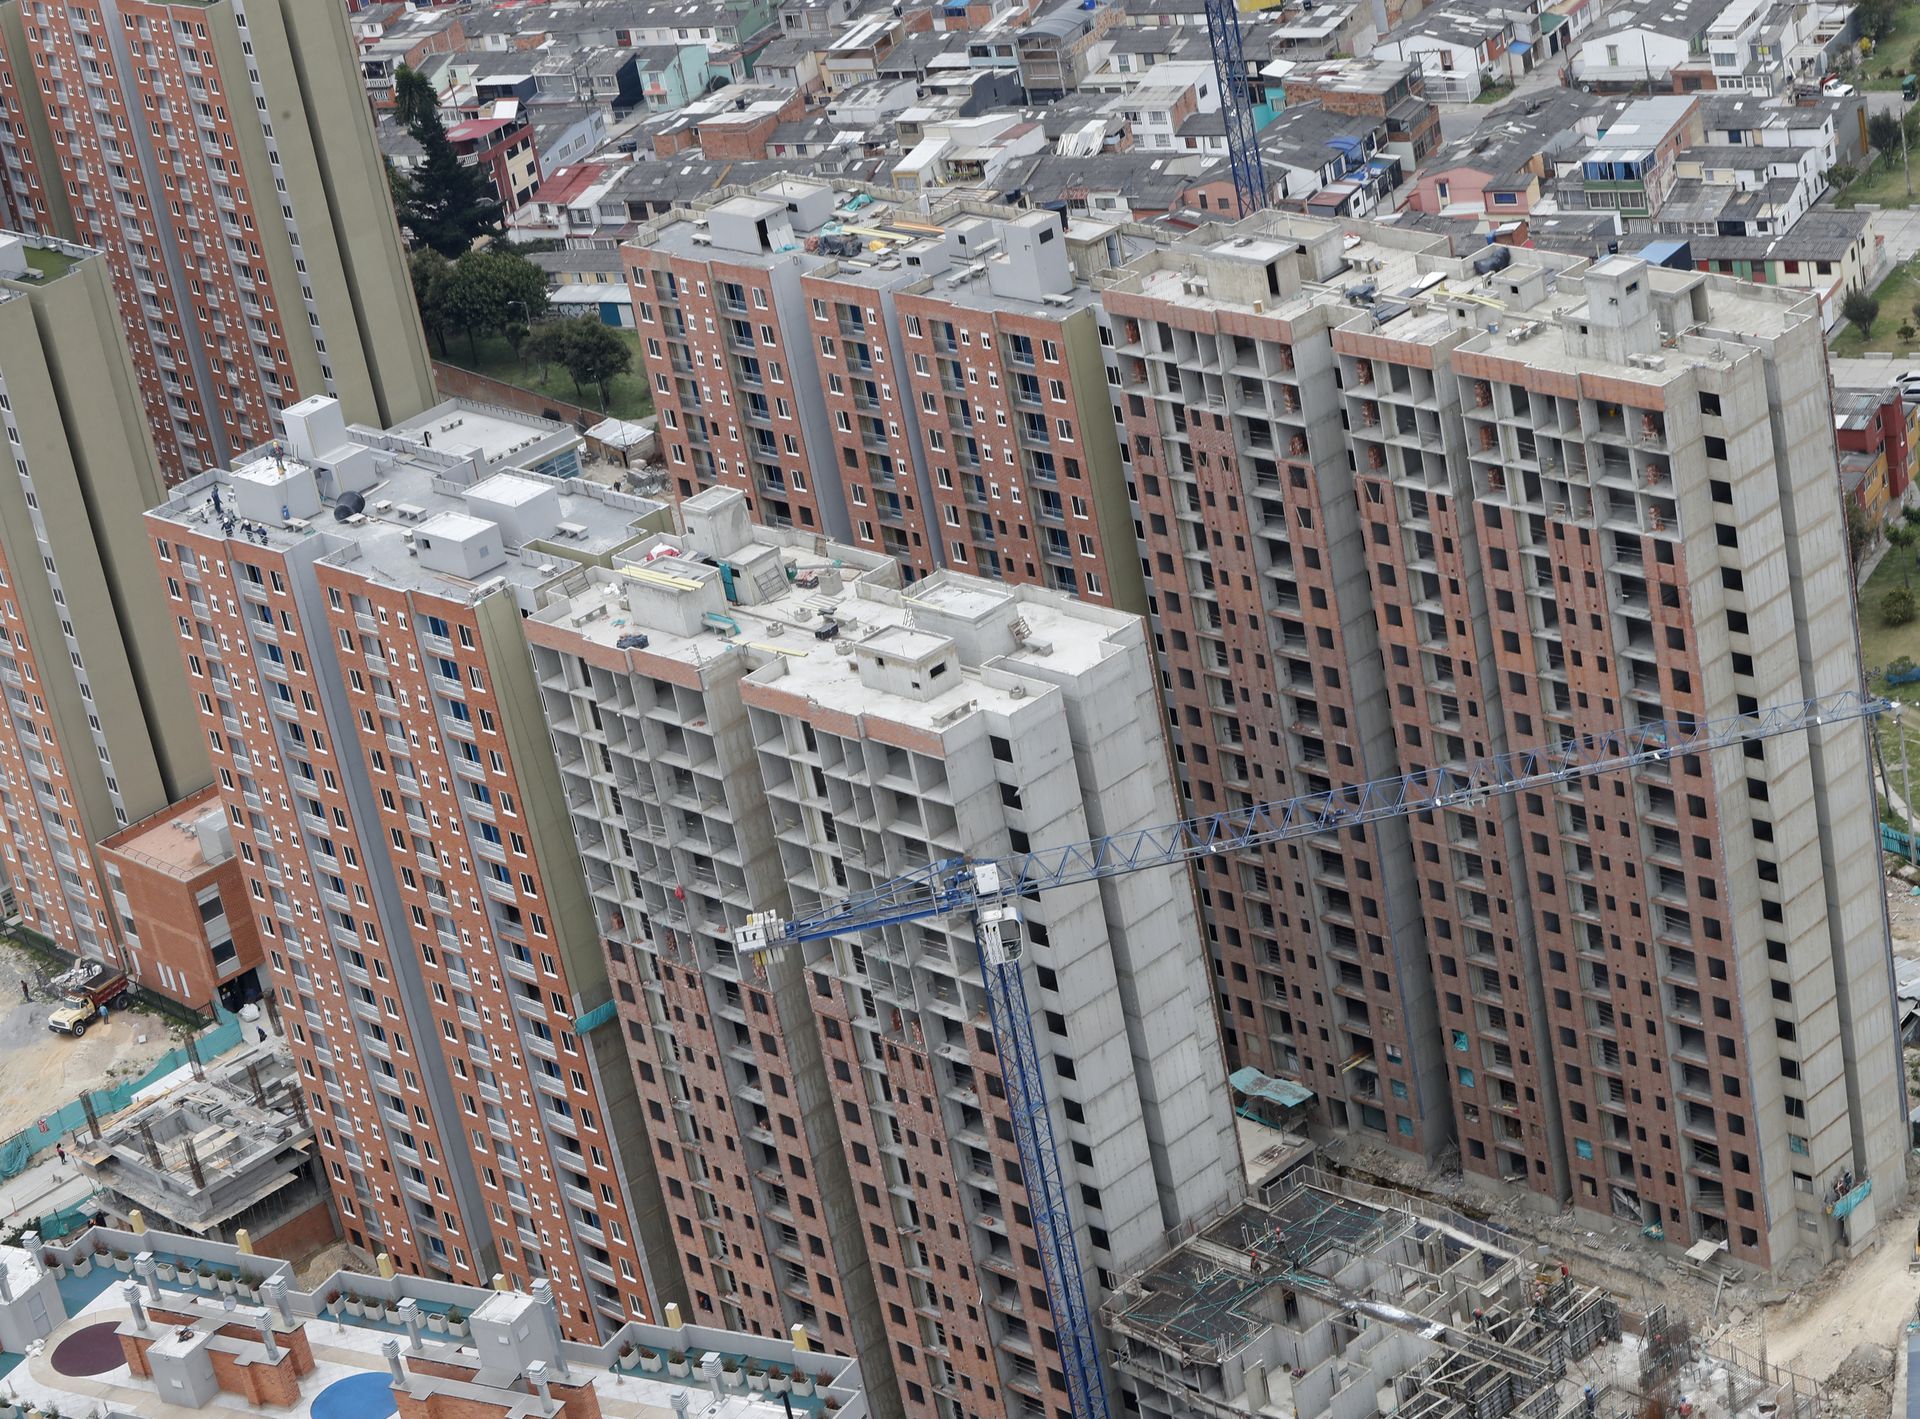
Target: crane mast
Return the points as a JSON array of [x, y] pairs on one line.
[[989, 890]]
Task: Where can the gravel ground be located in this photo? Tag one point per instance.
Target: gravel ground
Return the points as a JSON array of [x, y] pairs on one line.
[[39, 1069]]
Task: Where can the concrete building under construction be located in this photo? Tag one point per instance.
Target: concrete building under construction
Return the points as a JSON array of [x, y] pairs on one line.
[[1316, 1304], [229, 1148]]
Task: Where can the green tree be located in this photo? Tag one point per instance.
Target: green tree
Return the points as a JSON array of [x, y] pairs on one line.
[[1906, 332], [1896, 607], [1912, 515], [547, 343], [414, 99], [1861, 310], [488, 290], [515, 334], [595, 355], [1860, 532], [443, 203], [1877, 18], [431, 272], [1883, 131]]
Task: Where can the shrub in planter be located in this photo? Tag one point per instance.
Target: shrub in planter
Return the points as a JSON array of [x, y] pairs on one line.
[[82, 1264], [437, 1322], [651, 1362], [203, 1278], [356, 1306], [333, 1304], [165, 1270], [756, 1379], [677, 1364], [778, 1380], [122, 1262], [802, 1382]]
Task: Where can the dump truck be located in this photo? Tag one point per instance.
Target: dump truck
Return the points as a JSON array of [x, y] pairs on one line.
[[83, 991]]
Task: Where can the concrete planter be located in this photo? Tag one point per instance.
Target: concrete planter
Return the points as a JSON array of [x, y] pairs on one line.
[[392, 1314], [732, 1379], [756, 1381], [780, 1382], [651, 1362], [334, 1307], [679, 1369], [165, 1270], [457, 1328], [437, 1322], [226, 1285], [802, 1382], [82, 1265], [123, 1264], [355, 1306], [204, 1280]]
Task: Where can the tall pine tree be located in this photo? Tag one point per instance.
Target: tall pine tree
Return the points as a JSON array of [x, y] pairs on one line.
[[443, 203]]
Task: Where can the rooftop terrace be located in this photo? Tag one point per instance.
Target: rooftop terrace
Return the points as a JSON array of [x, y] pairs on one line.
[[451, 502], [123, 1324]]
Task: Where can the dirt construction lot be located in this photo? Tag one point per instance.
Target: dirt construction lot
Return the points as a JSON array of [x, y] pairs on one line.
[[41, 1070]]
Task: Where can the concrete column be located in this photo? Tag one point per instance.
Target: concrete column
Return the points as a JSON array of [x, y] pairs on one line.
[[243, 1239], [31, 1241], [385, 1263], [145, 1268], [801, 1344], [391, 1349], [500, 1282], [266, 1337], [137, 1222], [131, 1291], [672, 1315], [6, 1285], [410, 1318]]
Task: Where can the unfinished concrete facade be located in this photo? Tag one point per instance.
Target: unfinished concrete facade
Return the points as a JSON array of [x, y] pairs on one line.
[[228, 1149], [1483, 506], [1318, 1305], [834, 733]]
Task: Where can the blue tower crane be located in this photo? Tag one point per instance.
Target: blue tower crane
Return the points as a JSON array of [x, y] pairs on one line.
[[1236, 105], [990, 890]]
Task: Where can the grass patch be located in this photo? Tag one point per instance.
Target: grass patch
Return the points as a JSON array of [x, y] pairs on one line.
[[1893, 52], [494, 358], [1881, 645], [1883, 184], [48, 263], [1493, 93], [1896, 294]]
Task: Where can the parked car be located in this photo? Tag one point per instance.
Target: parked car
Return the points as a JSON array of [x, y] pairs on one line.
[[1833, 86]]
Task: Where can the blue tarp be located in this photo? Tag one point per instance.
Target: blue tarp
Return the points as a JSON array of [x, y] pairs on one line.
[[1283, 1092], [1520, 46]]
